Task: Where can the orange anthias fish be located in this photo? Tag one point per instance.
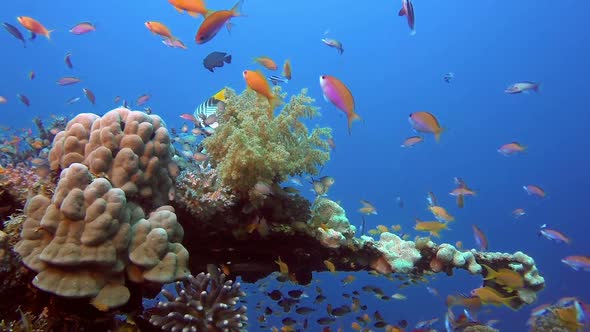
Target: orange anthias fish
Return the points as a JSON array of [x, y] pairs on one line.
[[257, 82], [488, 295], [160, 29], [425, 122], [510, 279], [214, 21], [440, 213], [338, 94], [287, 69], [266, 62], [34, 26], [433, 227], [192, 7]]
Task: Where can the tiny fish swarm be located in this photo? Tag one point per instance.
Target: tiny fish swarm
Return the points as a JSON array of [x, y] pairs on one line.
[[248, 147], [202, 303]]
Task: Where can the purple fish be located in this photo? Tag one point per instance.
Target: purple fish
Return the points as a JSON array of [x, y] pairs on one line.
[[82, 28], [15, 32], [24, 99], [554, 235], [68, 80], [68, 60]]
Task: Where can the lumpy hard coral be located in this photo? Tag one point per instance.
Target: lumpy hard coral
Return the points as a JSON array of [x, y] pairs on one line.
[[131, 148], [83, 240], [248, 148], [401, 255]]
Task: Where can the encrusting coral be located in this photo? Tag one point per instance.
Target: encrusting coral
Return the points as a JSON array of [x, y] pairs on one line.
[[248, 148], [206, 302], [83, 240]]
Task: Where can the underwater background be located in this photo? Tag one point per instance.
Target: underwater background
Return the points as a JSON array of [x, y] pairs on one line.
[[488, 45]]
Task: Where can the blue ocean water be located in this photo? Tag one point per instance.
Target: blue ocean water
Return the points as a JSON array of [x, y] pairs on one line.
[[487, 44]]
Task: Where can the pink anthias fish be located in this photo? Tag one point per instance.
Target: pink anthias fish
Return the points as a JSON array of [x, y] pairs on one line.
[[411, 141], [143, 99], [83, 28], [24, 99], [68, 81], [519, 212], [338, 94], [534, 190], [521, 87], [577, 262], [554, 235], [68, 60], [408, 11], [3, 100], [188, 117], [174, 43], [511, 148]]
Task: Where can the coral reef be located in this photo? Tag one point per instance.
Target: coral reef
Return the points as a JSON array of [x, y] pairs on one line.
[[130, 148], [83, 239], [207, 302], [19, 182], [248, 148], [480, 328], [201, 193], [565, 315]]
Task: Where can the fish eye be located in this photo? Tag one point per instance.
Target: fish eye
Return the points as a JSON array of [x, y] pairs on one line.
[[323, 77]]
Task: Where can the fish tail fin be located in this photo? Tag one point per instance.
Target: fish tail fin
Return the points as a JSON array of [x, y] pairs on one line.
[[48, 34], [537, 87], [413, 32], [227, 58], [273, 102], [340, 50], [352, 117], [492, 274], [437, 135], [237, 8]]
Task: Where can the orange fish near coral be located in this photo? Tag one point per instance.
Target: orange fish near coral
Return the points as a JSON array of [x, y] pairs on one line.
[[192, 7], [160, 29], [338, 94], [287, 69], [214, 21], [257, 82], [34, 26], [266, 62]]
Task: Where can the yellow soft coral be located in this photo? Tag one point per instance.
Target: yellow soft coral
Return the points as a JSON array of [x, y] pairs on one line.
[[248, 148]]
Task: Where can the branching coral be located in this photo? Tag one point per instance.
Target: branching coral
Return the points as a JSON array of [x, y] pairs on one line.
[[248, 148], [203, 303]]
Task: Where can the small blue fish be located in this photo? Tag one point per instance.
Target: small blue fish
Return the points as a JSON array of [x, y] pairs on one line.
[[275, 79], [448, 77]]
